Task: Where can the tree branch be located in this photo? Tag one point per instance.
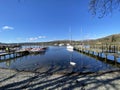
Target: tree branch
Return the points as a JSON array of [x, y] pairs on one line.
[[103, 7]]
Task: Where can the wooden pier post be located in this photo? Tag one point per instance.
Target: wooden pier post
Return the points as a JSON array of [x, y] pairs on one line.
[[115, 59], [102, 48], [4, 57], [100, 54], [93, 53], [114, 49], [88, 52], [105, 57]]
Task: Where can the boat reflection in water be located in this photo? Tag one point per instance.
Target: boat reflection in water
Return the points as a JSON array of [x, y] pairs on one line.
[[72, 63]]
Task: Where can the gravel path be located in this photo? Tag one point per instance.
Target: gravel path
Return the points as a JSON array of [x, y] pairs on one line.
[[21, 80]]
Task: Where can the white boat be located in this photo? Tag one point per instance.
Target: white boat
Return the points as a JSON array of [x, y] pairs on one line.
[[61, 44], [70, 48]]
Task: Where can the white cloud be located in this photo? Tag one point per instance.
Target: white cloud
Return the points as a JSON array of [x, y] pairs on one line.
[[42, 37], [36, 38], [7, 28], [33, 39]]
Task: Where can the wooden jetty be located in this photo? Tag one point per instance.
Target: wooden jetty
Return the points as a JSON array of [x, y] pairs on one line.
[[9, 55], [100, 51]]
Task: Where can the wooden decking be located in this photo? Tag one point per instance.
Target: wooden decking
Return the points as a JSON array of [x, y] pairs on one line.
[[9, 55], [99, 52]]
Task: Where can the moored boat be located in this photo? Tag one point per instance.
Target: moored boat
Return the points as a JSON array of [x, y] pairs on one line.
[[69, 46], [37, 50], [44, 48]]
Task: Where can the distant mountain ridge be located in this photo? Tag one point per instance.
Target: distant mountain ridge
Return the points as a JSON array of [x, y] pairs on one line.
[[115, 38]]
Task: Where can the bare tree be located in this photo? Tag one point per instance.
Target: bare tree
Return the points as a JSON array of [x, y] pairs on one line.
[[103, 7]]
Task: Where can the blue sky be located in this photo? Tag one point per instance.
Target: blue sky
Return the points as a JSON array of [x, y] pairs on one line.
[[47, 20]]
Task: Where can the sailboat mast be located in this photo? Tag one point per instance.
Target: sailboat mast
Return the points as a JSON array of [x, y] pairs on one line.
[[70, 35]]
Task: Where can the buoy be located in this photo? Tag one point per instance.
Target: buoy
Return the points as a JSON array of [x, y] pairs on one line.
[[72, 63]]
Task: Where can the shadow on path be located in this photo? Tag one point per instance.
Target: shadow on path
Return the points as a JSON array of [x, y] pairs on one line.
[[69, 81]]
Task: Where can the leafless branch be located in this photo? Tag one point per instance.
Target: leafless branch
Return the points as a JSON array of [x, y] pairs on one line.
[[103, 7]]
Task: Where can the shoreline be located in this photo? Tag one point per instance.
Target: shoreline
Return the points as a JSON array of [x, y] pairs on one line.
[[38, 70], [13, 79]]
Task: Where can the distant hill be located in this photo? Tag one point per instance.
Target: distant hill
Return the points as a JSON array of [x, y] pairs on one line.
[[115, 38]]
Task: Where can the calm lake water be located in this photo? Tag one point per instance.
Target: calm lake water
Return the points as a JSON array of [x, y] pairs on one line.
[[56, 59]]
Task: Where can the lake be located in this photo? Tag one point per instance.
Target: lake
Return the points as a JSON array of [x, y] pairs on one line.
[[56, 59]]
